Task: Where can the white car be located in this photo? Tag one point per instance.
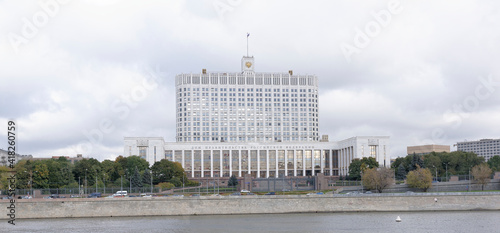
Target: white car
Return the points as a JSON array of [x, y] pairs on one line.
[[120, 194], [244, 191]]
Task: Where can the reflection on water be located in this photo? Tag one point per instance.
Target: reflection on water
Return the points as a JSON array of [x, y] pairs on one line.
[[460, 221]]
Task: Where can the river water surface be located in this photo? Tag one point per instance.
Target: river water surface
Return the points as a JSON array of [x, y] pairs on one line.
[[456, 221]]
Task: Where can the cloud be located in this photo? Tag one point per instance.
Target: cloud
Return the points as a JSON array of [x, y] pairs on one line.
[[74, 72]]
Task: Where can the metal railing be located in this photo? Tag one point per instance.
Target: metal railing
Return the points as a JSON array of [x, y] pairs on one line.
[[83, 191]]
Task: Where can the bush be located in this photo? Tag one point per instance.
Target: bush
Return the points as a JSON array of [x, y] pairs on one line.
[[165, 185], [191, 183]]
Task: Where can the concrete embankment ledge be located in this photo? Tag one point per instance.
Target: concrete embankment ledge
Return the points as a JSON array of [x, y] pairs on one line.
[[171, 206]]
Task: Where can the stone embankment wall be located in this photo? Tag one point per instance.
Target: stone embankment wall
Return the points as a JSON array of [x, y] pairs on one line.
[[164, 206]]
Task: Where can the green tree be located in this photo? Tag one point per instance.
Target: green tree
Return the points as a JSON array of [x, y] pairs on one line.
[[66, 171], [168, 171], [146, 178], [136, 162], [41, 176], [457, 162], [120, 167], [88, 168], [432, 160], [416, 162], [59, 172], [125, 166], [136, 179], [23, 169], [494, 163], [401, 172], [378, 178], [419, 178], [108, 169], [397, 162], [481, 174], [462, 161], [4, 175], [233, 181], [357, 166], [177, 181]]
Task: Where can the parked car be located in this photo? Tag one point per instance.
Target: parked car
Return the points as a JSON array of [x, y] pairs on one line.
[[236, 194], [195, 195], [244, 191], [319, 193], [270, 193], [54, 196], [368, 192], [120, 194], [94, 195], [250, 193]]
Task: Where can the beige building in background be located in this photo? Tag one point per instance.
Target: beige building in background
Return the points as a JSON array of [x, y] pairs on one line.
[[426, 149]]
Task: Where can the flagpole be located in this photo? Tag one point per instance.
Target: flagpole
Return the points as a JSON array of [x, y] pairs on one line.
[[248, 34]]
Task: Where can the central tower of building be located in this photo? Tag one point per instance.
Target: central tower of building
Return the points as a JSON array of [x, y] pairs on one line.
[[246, 106]]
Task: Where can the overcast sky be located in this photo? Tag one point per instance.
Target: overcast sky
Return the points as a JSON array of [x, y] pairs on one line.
[[78, 76]]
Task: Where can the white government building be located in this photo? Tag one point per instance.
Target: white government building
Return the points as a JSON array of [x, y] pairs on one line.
[[263, 124]]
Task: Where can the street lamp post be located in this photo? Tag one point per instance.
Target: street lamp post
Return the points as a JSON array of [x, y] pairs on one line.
[[85, 183], [151, 182], [437, 187], [468, 189], [31, 184], [104, 182], [446, 164], [79, 187]]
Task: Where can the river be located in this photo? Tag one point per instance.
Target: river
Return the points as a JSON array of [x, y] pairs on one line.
[[455, 221]]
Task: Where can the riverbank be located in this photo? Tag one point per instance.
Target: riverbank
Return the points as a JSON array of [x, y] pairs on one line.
[[208, 205]]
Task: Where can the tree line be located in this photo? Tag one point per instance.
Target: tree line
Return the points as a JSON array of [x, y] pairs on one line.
[[419, 170], [445, 164], [123, 171]]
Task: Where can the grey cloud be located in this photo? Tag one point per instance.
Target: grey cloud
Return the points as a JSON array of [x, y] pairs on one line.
[[404, 83]]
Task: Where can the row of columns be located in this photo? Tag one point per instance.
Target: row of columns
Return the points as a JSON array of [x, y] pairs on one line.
[[258, 155], [346, 155]]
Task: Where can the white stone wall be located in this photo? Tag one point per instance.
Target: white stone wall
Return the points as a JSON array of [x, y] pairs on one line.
[[359, 147], [257, 204]]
